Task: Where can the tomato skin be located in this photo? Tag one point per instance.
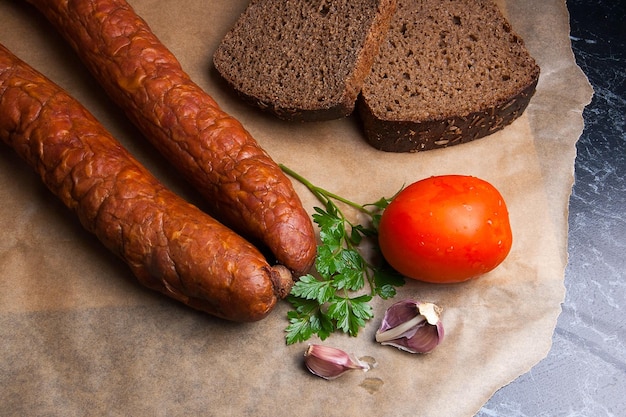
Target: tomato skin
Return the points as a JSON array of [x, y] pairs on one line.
[[446, 229]]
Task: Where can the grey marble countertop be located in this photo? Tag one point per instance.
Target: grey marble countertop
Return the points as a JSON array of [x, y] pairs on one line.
[[585, 372]]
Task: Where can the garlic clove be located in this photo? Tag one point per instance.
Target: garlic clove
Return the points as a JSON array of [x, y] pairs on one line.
[[411, 326], [329, 362]]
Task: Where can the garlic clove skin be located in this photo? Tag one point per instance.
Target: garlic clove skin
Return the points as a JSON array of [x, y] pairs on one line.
[[330, 363], [411, 326]]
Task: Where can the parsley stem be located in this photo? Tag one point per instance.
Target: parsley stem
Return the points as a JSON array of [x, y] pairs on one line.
[[336, 299], [322, 194]]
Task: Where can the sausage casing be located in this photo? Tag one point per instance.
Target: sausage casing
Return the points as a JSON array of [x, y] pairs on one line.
[[170, 245], [244, 187]]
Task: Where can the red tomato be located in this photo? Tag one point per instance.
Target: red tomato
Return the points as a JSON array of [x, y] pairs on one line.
[[446, 229]]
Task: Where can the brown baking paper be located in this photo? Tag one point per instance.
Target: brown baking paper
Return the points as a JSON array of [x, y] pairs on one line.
[[78, 335]]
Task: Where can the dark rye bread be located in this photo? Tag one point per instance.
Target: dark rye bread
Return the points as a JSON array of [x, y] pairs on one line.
[[450, 71], [303, 59]]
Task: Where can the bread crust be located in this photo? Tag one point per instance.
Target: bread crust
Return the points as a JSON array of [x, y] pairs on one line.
[[170, 245], [411, 136]]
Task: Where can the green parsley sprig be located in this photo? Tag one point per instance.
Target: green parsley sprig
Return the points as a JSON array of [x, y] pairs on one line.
[[338, 298]]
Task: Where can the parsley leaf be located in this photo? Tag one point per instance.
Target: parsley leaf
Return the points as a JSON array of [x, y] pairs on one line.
[[337, 297], [310, 288]]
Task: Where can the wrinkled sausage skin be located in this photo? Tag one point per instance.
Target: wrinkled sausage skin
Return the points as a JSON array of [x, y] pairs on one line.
[[243, 186], [170, 245]]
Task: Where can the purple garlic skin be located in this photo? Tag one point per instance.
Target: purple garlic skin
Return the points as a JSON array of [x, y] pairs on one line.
[[330, 363], [412, 326]]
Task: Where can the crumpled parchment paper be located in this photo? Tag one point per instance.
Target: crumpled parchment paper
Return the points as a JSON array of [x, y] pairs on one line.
[[78, 336]]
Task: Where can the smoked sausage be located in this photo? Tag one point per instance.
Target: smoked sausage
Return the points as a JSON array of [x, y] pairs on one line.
[[170, 245], [243, 186]]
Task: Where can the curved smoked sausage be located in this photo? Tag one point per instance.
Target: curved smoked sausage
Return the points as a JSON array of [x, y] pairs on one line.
[[170, 245], [245, 188]]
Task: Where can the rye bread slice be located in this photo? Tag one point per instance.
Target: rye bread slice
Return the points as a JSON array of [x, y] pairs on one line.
[[450, 71], [303, 59]]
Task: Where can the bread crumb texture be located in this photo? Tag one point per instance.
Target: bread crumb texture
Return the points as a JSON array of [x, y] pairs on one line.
[[298, 55], [446, 58]]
